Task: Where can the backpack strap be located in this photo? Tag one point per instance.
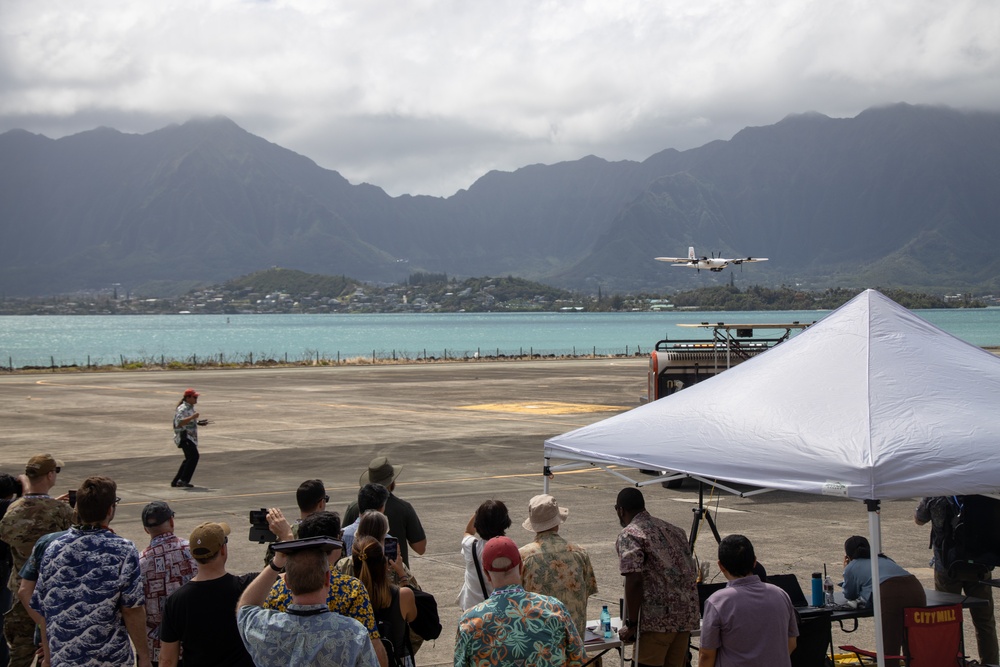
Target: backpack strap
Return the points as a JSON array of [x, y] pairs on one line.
[[479, 569]]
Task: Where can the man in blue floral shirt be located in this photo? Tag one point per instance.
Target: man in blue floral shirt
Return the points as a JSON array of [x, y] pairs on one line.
[[345, 594], [89, 587], [513, 627], [307, 632]]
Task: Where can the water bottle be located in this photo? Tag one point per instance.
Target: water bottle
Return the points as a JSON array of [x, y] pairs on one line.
[[817, 589], [606, 622], [828, 591]]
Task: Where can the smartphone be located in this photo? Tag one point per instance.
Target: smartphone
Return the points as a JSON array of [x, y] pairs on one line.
[[72, 498], [391, 548]]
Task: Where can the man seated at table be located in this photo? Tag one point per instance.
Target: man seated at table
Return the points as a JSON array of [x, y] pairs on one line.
[[747, 623]]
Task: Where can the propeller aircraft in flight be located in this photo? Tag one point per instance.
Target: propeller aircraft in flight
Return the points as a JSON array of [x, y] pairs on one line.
[[712, 263]]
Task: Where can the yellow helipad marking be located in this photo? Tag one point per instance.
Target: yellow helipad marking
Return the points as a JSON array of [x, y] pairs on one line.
[[543, 408]]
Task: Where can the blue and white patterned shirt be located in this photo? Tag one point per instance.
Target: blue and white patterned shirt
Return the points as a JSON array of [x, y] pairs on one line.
[[86, 578], [312, 636], [185, 410]]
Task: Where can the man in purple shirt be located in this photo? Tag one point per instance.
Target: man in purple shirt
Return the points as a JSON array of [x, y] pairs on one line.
[[748, 623]]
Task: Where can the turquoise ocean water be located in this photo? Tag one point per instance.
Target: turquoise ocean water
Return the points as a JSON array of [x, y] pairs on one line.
[[64, 340]]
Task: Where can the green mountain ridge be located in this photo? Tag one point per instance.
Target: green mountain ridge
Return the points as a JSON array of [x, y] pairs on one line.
[[900, 195]]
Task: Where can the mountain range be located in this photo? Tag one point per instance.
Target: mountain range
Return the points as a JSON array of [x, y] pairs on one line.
[[900, 196]]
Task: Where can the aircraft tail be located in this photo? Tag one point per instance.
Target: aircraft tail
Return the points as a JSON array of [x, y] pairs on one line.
[[691, 252]]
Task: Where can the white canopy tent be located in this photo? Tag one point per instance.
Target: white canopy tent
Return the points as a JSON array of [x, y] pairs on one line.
[[871, 403]]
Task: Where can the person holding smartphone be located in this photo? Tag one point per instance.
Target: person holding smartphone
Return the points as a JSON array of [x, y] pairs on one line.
[[395, 607], [375, 524]]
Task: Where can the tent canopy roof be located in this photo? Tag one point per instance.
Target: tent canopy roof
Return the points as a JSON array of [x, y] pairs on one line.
[[872, 402]]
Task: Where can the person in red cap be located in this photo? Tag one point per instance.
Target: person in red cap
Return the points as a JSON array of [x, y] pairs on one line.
[[186, 423], [514, 625]]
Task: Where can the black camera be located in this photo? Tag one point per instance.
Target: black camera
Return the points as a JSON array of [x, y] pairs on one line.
[[260, 532]]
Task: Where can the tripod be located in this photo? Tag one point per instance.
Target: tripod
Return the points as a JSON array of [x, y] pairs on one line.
[[701, 512]]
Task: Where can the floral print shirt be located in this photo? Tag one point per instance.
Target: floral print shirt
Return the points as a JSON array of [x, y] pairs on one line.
[[275, 639], [515, 628], [185, 410], [659, 552], [555, 567], [348, 597]]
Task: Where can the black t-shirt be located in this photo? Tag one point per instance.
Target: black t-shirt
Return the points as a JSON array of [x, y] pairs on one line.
[[6, 562], [201, 615], [392, 626]]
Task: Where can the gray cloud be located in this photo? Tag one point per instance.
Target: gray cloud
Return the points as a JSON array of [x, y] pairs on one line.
[[424, 97]]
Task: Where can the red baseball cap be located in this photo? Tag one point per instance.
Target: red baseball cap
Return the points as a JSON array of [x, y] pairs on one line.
[[498, 548], [190, 392]]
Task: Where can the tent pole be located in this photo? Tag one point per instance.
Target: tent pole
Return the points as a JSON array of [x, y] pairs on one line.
[[875, 538], [546, 475]]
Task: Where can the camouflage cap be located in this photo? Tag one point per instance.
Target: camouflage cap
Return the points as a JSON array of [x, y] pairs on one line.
[[42, 464], [207, 539]]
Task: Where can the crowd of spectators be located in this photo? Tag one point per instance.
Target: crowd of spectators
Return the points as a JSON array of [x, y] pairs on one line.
[[84, 595], [330, 594]]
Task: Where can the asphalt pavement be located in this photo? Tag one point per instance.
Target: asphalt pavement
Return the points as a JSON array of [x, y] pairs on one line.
[[463, 432]]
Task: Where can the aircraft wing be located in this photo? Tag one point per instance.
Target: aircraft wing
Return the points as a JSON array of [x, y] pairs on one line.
[[748, 260]]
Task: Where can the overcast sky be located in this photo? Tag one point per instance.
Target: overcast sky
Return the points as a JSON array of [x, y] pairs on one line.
[[425, 96]]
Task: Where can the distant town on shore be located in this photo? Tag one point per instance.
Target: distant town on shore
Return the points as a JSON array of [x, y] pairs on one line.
[[286, 291]]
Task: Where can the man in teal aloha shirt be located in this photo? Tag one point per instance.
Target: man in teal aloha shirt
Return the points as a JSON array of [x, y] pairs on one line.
[[513, 627]]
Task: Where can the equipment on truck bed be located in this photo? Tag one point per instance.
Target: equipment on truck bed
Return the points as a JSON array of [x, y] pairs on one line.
[[675, 364]]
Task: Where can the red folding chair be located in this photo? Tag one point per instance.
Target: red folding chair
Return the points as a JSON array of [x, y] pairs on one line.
[[932, 637]]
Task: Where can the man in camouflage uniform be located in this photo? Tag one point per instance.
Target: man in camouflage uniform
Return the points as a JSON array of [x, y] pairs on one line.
[[27, 519]]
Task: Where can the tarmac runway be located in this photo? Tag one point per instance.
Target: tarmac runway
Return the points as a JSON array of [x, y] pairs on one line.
[[463, 432]]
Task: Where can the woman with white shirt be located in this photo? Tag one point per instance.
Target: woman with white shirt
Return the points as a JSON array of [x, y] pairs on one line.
[[490, 520]]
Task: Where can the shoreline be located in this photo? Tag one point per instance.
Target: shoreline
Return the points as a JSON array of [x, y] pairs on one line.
[[263, 364], [174, 365]]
